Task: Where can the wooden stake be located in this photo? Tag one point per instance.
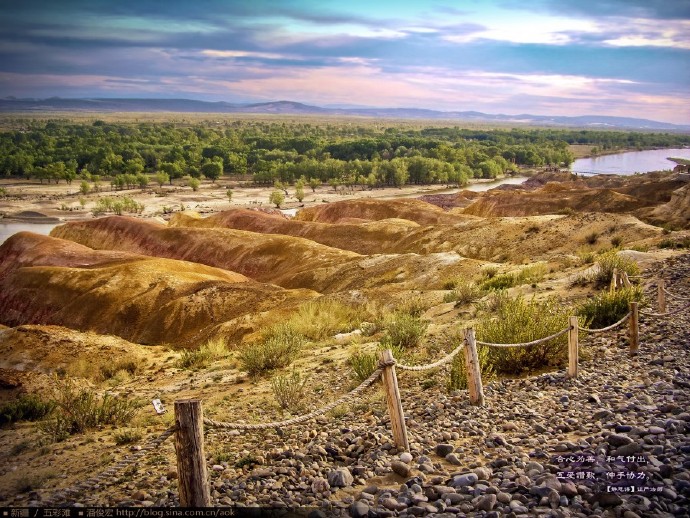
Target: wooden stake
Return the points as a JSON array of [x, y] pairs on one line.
[[661, 296], [474, 375], [573, 346], [626, 280], [614, 280], [634, 329], [191, 459], [395, 409]]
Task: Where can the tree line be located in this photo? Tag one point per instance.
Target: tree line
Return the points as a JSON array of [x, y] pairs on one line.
[[339, 153]]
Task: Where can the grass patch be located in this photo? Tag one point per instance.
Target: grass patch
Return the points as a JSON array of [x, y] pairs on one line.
[[25, 408], [211, 351], [278, 347], [609, 261], [128, 436], [78, 410], [608, 307], [130, 364], [403, 330], [528, 275], [677, 244], [288, 389], [464, 292], [519, 320], [322, 318]]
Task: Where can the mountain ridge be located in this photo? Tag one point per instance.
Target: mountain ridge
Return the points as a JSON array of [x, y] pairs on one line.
[[286, 107]]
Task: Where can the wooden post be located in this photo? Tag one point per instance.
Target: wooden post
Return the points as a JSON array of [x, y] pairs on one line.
[[573, 345], [474, 375], [625, 279], [614, 280], [395, 409], [634, 329], [191, 459], [661, 296]]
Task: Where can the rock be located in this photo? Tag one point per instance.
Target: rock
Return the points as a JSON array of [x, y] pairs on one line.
[[628, 449], [655, 430], [359, 509], [171, 474], [443, 449], [453, 459], [392, 504], [486, 502], [482, 473], [340, 477], [468, 479], [606, 499], [400, 468], [405, 457], [319, 485], [504, 498], [619, 439]]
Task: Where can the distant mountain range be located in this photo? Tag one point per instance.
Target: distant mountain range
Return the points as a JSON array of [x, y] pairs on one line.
[[11, 104]]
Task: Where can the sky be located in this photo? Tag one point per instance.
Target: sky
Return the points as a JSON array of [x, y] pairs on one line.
[[626, 58]]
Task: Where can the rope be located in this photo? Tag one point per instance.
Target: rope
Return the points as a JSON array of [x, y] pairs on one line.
[[607, 328], [446, 359], [87, 486], [526, 344], [675, 296], [306, 417], [667, 314]]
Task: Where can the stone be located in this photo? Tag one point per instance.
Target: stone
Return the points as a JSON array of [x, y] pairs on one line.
[[319, 485], [405, 457], [400, 468], [359, 509], [619, 439], [468, 479], [482, 473], [453, 459], [443, 449], [486, 502], [340, 477]]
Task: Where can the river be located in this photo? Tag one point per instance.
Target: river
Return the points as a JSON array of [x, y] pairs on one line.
[[631, 162]]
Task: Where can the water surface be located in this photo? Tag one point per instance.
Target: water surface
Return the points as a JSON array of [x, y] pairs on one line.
[[631, 162], [9, 228]]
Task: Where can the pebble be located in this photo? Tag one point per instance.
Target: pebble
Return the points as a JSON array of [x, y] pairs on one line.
[[400, 468], [340, 477]]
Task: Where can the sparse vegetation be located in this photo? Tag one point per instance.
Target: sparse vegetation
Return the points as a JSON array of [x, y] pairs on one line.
[[679, 243], [610, 261], [464, 292], [403, 330], [288, 390], [26, 408], [278, 347], [363, 364], [199, 358], [528, 275], [519, 320], [608, 307], [80, 409], [324, 317], [592, 238], [127, 436]]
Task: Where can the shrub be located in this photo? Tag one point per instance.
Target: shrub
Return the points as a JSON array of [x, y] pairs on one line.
[[403, 330], [288, 389], [609, 261], [194, 184], [77, 410], [413, 306], [197, 359], [126, 437], [527, 275], [321, 318], [683, 242], [3, 192], [616, 241], [490, 271], [26, 408], [592, 238], [608, 307], [363, 364], [518, 321], [464, 292], [278, 347], [128, 364]]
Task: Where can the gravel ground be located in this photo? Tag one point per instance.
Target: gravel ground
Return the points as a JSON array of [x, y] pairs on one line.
[[612, 443]]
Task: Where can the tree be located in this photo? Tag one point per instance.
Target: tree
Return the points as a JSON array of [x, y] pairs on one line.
[[299, 191], [314, 183], [84, 187], [162, 178], [212, 170], [277, 197], [229, 195], [194, 184]]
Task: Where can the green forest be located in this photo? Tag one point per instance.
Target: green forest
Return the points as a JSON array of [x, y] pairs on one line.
[[341, 153]]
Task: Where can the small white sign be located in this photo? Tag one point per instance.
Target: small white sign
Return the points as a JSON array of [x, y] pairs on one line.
[[160, 409]]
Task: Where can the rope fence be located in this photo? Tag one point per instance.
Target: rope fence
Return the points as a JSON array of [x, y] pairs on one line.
[[673, 296], [188, 431], [607, 328], [527, 344]]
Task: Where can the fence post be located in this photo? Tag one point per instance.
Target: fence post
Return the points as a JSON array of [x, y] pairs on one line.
[[191, 460], [614, 280], [573, 346], [634, 328], [395, 409], [625, 279], [474, 375], [661, 296]]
